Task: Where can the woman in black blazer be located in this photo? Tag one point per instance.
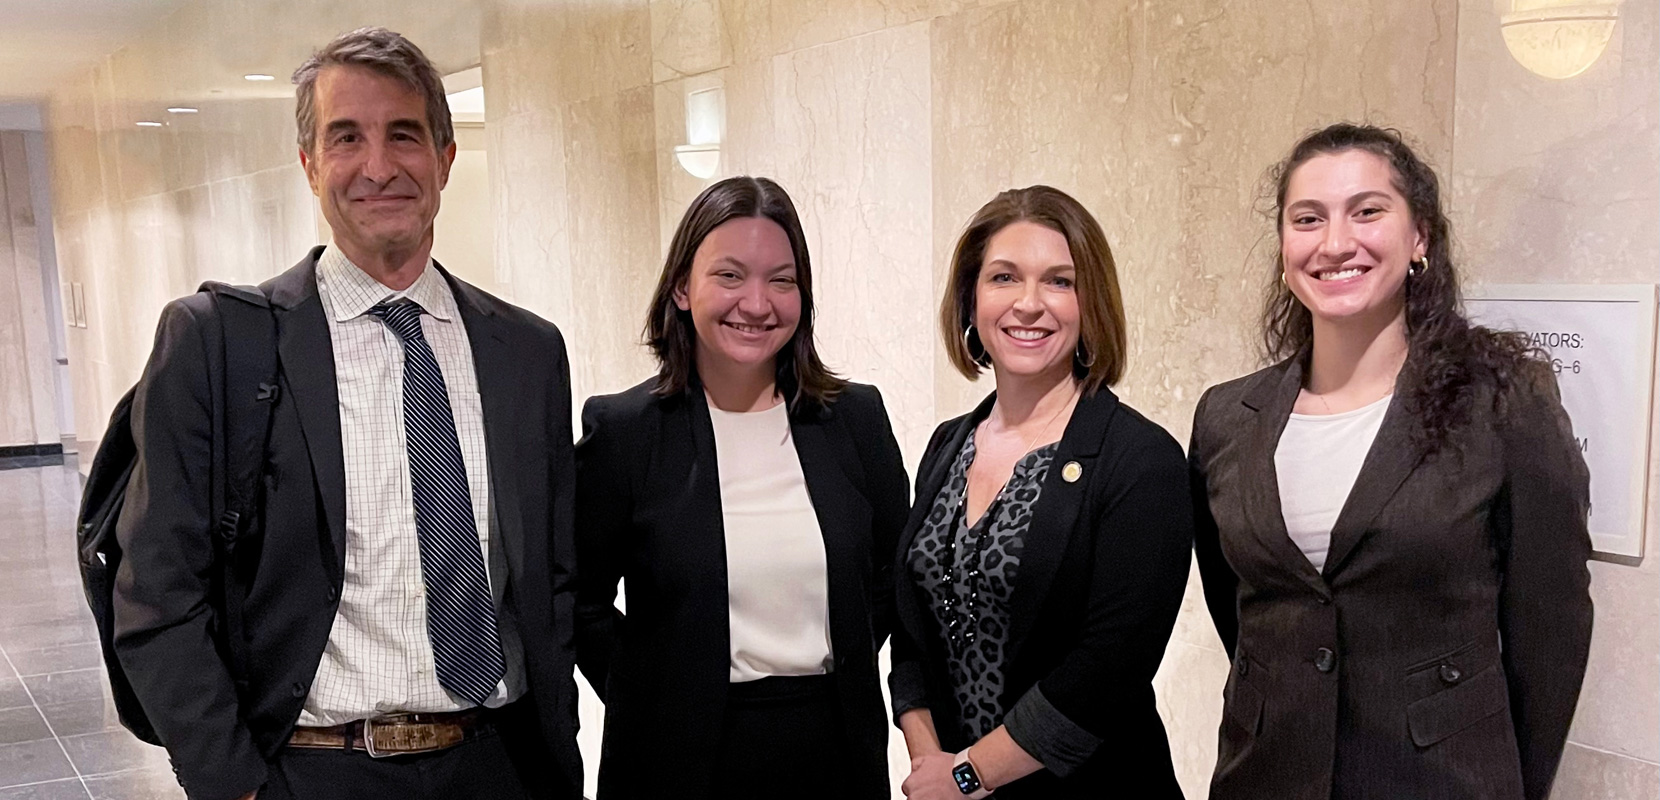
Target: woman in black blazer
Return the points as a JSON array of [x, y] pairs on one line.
[[1392, 520], [750, 501], [1043, 563]]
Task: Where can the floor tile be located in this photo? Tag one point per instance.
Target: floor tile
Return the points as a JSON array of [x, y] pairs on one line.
[[33, 762], [70, 789], [12, 693], [49, 609], [51, 633], [149, 784], [63, 687], [113, 751], [81, 716], [62, 658], [22, 725]]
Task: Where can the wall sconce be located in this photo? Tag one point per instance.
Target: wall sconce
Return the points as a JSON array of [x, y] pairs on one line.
[[1557, 38], [705, 119]]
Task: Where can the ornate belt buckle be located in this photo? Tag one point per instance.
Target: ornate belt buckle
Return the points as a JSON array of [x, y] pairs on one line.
[[371, 743]]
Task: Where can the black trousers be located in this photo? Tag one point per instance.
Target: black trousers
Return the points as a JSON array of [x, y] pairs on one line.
[[499, 762], [783, 737]]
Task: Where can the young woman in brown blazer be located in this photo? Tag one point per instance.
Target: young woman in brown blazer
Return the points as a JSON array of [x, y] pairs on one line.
[[1392, 519]]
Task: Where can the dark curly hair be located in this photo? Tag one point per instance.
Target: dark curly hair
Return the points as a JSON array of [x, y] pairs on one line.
[[1450, 362]]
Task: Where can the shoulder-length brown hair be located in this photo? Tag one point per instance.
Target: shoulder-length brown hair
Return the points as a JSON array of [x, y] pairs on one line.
[[801, 377], [1447, 356], [1101, 333]]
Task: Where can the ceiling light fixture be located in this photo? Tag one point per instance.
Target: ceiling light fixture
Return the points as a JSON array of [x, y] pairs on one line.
[[148, 124], [182, 110], [257, 76]]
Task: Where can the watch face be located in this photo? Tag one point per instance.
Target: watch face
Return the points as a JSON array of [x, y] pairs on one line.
[[967, 781]]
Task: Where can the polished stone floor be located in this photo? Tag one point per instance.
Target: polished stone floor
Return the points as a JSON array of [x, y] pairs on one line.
[[59, 738]]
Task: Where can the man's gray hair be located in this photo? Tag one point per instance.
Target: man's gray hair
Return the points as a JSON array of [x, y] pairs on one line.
[[385, 52]]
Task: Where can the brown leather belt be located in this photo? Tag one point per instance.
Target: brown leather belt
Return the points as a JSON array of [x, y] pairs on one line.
[[394, 734]]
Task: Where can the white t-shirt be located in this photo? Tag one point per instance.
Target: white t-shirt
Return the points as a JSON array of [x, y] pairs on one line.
[[1318, 459], [776, 577]]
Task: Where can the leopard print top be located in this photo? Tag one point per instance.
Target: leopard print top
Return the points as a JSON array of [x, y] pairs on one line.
[[976, 667]]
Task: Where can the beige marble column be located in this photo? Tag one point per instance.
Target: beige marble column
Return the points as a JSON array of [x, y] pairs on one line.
[[27, 415]]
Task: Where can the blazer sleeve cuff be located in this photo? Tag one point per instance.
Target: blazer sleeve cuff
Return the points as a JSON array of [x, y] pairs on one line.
[[1047, 735], [223, 781], [905, 684]]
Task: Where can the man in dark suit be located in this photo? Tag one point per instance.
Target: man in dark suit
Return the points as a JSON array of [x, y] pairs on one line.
[[408, 611]]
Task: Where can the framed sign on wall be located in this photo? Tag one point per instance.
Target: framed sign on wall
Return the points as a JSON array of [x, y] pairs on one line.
[[1601, 344]]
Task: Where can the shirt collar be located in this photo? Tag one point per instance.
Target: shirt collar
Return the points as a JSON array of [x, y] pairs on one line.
[[350, 292]]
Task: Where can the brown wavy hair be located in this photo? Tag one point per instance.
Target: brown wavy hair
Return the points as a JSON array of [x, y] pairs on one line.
[[1449, 361], [801, 376], [1101, 330]]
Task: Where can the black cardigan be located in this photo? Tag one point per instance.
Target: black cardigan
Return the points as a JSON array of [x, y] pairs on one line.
[[1100, 581], [648, 511]]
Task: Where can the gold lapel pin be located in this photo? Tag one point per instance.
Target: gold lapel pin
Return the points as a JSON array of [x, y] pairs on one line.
[[1072, 472]]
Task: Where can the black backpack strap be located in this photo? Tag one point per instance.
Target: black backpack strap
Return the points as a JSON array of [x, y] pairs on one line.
[[250, 392]]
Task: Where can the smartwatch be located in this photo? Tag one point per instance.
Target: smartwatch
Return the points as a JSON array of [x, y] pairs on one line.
[[968, 781]]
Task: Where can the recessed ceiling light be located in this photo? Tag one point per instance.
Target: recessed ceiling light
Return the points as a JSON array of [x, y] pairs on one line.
[[148, 124], [181, 110], [256, 76]]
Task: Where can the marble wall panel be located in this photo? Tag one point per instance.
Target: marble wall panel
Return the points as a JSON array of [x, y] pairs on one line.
[[1587, 774], [17, 425], [529, 202], [1557, 181], [854, 145], [615, 257], [797, 25], [688, 37], [603, 47], [30, 313]]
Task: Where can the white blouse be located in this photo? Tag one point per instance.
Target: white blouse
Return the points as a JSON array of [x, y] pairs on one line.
[[776, 577], [1317, 461]]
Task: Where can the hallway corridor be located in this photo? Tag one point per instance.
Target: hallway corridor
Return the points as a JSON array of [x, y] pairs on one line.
[[59, 738]]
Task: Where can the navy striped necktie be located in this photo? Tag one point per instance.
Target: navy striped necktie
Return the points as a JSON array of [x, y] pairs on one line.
[[461, 617]]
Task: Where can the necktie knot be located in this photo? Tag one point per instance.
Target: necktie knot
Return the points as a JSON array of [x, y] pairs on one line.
[[403, 317]]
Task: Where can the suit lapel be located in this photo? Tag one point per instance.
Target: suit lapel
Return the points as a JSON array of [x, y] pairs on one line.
[[498, 394], [705, 522], [307, 355], [932, 479], [1392, 457], [1273, 400], [832, 494], [1056, 512]]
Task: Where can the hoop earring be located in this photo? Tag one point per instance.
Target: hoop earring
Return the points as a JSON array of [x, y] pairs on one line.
[[1416, 268], [971, 338], [1078, 355]]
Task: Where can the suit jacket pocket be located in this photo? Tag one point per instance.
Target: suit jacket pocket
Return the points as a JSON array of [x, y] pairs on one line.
[[1242, 703], [1460, 705]]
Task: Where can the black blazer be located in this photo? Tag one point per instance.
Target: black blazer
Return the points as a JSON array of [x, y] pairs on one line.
[[648, 512], [1439, 653], [1100, 581], [220, 734]]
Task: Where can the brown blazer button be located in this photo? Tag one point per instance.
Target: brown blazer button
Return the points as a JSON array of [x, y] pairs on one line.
[[1244, 668], [299, 689], [1450, 674], [1324, 600], [1325, 660]]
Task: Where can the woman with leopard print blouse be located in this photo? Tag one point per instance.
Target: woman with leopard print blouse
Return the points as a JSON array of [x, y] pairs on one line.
[[1044, 561]]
